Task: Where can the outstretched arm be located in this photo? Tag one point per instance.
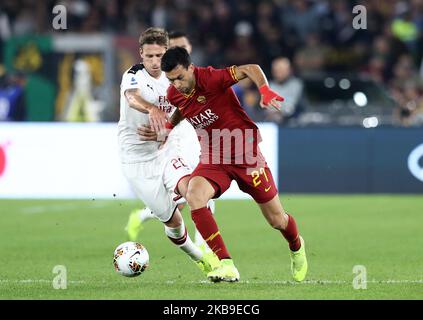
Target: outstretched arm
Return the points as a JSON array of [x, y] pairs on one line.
[[147, 134], [256, 74], [157, 117]]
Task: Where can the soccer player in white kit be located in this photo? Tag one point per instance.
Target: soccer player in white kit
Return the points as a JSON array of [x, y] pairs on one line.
[[189, 150], [154, 169]]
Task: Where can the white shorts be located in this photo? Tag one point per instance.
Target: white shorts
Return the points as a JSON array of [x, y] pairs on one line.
[[154, 182], [188, 144]]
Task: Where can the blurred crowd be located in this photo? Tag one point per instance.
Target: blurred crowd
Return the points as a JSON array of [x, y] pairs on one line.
[[290, 39]]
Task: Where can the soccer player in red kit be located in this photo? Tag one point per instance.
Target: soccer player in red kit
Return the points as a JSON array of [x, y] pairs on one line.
[[229, 151]]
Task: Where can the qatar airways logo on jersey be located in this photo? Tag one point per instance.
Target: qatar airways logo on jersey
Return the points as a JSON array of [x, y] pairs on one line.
[[164, 104], [203, 119]]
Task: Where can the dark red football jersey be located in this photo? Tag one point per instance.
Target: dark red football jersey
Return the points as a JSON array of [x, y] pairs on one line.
[[226, 132]]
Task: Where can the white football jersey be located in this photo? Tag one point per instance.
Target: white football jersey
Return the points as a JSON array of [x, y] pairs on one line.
[[132, 149]]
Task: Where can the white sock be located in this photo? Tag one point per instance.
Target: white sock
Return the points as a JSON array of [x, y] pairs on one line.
[[198, 239], [146, 214], [180, 237]]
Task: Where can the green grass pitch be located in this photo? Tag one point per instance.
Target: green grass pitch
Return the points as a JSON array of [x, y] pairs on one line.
[[382, 233]]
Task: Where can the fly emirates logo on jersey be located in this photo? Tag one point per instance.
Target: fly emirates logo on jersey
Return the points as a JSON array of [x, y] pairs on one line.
[[164, 104], [203, 119]]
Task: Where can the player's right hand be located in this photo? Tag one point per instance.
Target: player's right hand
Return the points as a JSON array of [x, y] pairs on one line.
[[158, 120]]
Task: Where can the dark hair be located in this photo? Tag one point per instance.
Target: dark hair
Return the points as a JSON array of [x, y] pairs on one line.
[[177, 34], [154, 36], [175, 56]]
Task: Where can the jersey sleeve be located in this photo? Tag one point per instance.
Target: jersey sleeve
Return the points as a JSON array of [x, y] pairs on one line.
[[130, 81], [222, 78]]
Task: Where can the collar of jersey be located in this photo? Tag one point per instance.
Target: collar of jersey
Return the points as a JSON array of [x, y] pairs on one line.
[[189, 95]]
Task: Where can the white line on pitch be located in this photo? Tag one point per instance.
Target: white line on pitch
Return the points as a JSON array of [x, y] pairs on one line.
[[63, 207], [321, 282], [37, 281], [283, 282]]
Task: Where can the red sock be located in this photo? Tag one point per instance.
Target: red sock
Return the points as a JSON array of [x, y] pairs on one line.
[[206, 225], [291, 234]]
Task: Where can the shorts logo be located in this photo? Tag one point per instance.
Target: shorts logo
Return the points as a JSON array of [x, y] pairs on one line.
[[267, 189], [201, 99]]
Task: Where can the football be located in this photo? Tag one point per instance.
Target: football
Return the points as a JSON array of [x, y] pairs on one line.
[[130, 259]]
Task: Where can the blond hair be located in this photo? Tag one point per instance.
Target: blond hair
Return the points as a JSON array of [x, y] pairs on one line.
[[154, 36]]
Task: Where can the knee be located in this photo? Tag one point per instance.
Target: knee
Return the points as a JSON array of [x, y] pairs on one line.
[[176, 220], [195, 199]]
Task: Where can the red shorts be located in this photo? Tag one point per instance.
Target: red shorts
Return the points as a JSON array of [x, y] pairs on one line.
[[258, 183]]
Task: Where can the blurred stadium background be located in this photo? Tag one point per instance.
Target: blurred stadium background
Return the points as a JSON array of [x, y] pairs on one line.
[[344, 74], [352, 123]]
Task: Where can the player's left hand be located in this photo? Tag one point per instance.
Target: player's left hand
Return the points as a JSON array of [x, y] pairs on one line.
[[269, 98], [146, 133]]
